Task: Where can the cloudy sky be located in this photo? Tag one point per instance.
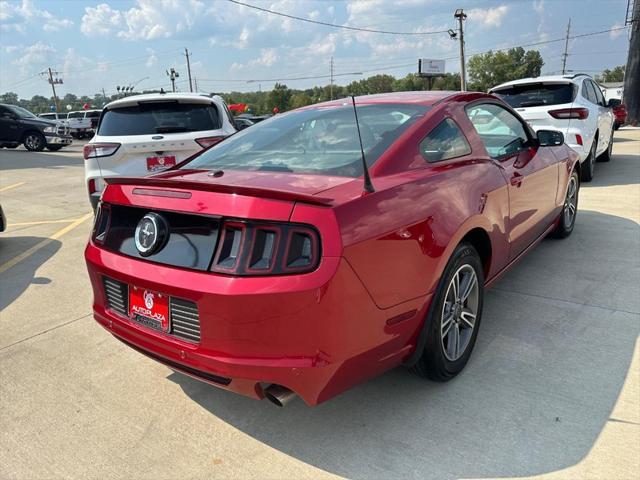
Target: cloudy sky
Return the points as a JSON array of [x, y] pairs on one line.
[[102, 44]]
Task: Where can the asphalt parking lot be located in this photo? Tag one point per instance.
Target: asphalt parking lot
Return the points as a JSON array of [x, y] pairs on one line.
[[552, 390]]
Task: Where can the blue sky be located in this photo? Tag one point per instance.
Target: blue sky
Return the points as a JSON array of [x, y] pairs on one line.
[[102, 44]]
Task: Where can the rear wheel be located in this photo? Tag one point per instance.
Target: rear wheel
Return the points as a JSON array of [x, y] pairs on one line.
[[34, 142], [569, 210], [589, 165], [454, 317], [606, 155]]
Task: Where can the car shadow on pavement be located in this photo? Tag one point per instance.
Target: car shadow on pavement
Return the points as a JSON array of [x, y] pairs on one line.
[[17, 279], [606, 176], [548, 368], [18, 159]]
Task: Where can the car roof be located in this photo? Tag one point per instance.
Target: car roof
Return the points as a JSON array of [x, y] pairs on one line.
[[420, 97], [569, 78], [171, 96]]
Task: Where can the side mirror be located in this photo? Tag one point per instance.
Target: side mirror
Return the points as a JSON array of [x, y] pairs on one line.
[[550, 138], [613, 102]]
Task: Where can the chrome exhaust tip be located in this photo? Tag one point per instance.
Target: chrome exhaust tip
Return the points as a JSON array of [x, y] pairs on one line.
[[279, 395]]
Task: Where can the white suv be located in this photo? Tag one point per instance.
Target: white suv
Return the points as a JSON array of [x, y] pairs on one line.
[[572, 104], [141, 134]]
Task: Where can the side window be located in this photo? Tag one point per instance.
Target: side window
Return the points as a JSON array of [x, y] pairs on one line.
[[501, 132], [444, 142], [599, 96], [588, 93]]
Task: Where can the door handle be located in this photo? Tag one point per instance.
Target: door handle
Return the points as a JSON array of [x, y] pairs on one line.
[[516, 179]]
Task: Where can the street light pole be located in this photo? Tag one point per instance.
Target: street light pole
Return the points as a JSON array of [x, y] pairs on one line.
[[461, 16]]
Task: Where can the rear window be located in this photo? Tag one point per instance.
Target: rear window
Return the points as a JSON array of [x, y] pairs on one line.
[[94, 114], [159, 117], [76, 115], [537, 94], [321, 141]]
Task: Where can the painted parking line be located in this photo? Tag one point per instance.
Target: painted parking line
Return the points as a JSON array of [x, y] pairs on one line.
[[15, 260], [9, 187], [43, 222]]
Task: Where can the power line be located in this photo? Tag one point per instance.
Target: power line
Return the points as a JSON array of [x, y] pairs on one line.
[[333, 25]]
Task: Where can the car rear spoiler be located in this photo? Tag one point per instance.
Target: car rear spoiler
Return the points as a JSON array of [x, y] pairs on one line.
[[219, 188]]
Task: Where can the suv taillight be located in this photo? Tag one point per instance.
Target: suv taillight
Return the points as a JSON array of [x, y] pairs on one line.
[[265, 248], [566, 113], [92, 150], [207, 142]]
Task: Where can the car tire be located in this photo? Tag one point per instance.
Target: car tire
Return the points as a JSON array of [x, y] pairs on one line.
[[34, 142], [606, 155], [567, 219], [54, 148], [589, 165], [452, 317]]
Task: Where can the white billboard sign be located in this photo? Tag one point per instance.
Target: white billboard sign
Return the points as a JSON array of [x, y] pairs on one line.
[[430, 68]]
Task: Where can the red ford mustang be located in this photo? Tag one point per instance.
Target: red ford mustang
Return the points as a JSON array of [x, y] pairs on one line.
[[268, 266]]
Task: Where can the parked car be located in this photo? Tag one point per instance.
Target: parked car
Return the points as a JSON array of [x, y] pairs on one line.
[[619, 112], [80, 124], [269, 266], [242, 123], [148, 133], [572, 104], [20, 126]]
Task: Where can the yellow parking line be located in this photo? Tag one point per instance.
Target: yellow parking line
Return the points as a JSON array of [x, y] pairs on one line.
[[9, 187], [44, 222], [15, 260]]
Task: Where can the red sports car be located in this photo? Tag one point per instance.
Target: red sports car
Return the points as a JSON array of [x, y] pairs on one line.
[[275, 264]]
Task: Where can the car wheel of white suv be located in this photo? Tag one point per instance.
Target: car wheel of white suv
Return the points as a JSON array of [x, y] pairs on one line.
[[589, 165]]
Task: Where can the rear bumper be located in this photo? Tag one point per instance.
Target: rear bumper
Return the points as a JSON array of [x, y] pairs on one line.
[[317, 334]]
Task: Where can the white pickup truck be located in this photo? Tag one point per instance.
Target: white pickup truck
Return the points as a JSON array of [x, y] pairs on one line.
[[80, 124]]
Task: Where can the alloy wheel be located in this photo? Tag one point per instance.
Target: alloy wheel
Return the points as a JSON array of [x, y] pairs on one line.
[[32, 142], [459, 312], [571, 202]]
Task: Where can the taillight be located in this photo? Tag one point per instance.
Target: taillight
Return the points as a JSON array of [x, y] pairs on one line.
[[92, 150], [207, 142], [101, 222], [91, 186], [579, 139], [261, 248], [566, 113]]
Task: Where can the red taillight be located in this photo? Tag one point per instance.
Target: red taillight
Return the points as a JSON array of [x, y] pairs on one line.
[[93, 150], [579, 139], [566, 113], [91, 186], [207, 142], [252, 248]]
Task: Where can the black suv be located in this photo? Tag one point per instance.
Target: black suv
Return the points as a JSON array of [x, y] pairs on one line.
[[18, 125]]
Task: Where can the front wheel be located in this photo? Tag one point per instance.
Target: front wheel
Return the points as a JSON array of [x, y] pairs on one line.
[[454, 317], [567, 219], [34, 142]]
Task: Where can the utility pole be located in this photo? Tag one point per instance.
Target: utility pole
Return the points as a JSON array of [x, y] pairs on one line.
[[104, 95], [631, 90], [566, 49], [53, 83], [186, 54], [331, 77], [195, 83], [461, 16], [172, 74]]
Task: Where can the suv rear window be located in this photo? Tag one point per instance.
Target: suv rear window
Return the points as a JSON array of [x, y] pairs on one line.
[[159, 117], [537, 94]]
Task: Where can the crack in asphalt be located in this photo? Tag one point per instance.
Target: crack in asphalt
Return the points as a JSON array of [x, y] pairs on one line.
[[563, 300], [44, 331]]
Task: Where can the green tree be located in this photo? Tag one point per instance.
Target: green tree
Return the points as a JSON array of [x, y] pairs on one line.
[[493, 68], [409, 83], [450, 81], [279, 97], [615, 75], [10, 97], [300, 99], [380, 84]]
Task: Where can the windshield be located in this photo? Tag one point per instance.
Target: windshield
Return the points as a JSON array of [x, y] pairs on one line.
[[160, 117], [320, 141], [537, 94], [21, 112]]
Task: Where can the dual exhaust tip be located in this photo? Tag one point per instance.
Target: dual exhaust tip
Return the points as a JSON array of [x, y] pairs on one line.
[[279, 395]]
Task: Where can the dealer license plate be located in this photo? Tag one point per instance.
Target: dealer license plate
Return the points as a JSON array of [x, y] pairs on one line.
[[149, 308], [155, 164]]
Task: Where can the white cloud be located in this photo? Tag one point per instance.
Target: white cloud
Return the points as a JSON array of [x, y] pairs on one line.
[[488, 17], [267, 58], [99, 21], [538, 6], [616, 33], [153, 59], [34, 56], [16, 16]]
